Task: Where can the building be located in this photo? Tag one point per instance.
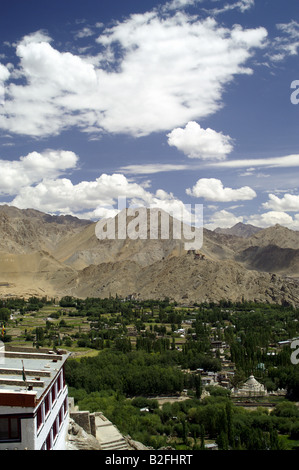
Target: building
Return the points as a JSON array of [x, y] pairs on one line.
[[34, 411], [251, 388]]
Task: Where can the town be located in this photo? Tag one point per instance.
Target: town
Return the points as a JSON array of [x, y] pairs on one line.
[[170, 364]]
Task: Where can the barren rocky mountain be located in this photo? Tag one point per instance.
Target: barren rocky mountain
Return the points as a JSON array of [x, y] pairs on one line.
[[24, 231], [239, 230], [49, 255]]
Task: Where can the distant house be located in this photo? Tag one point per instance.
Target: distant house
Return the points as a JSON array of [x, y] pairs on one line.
[[218, 344], [212, 446], [210, 378], [282, 344], [180, 331]]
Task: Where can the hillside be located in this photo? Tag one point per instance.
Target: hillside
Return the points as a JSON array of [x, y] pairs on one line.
[[185, 279], [49, 255], [24, 231], [239, 230], [274, 249]]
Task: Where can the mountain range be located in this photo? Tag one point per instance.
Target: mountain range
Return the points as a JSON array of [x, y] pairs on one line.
[[48, 255]]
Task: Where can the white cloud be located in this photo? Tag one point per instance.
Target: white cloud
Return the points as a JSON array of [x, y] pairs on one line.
[[288, 161], [4, 73], [153, 73], [36, 37], [242, 5], [63, 70], [271, 218], [223, 219], [57, 86], [33, 168], [289, 203], [35, 182], [177, 4], [287, 44], [61, 195], [84, 33], [151, 168], [197, 142], [212, 189], [93, 199], [245, 5]]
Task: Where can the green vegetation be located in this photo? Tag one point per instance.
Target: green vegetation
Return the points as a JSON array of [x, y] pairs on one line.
[[128, 354], [188, 424]]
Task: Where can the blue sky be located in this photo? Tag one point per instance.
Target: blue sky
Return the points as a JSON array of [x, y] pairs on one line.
[[168, 104]]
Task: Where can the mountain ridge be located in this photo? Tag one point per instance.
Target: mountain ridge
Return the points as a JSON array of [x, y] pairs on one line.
[[42, 254], [239, 230]]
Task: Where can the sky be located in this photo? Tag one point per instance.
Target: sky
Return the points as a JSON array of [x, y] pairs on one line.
[[168, 104]]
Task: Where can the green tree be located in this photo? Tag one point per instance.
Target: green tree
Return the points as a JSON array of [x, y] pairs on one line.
[[198, 386], [4, 314]]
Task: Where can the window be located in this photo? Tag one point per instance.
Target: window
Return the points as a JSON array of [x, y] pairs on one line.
[[63, 377], [47, 404], [65, 406], [49, 441], [53, 392], [60, 416], [39, 417], [55, 429], [59, 383], [10, 429]]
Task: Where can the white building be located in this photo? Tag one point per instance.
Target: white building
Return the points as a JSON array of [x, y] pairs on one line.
[[33, 400], [251, 388]]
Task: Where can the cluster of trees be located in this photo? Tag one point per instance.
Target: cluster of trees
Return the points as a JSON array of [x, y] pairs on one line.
[[109, 381], [133, 373], [187, 424], [23, 306], [4, 314]]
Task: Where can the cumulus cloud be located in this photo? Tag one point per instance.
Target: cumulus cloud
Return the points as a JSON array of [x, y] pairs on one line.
[[61, 195], [98, 198], [270, 218], [212, 189], [36, 37], [33, 168], [63, 70], [223, 219], [38, 181], [4, 73], [152, 72], [197, 142], [57, 85], [289, 203]]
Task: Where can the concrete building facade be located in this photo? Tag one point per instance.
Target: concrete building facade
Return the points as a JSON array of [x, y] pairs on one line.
[[34, 412]]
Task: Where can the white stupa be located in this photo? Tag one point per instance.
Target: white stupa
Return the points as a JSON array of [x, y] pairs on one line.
[[251, 388]]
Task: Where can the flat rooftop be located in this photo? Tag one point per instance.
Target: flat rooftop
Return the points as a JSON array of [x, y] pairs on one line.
[[40, 365]]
